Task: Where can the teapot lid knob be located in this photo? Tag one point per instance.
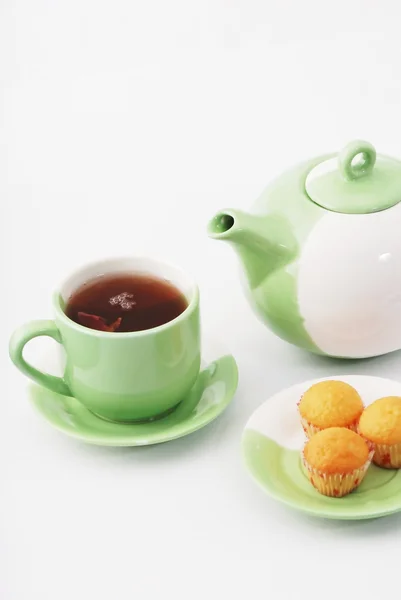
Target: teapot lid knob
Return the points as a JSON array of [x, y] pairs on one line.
[[356, 181], [350, 167]]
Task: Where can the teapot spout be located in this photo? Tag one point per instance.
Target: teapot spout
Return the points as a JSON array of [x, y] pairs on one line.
[[263, 243]]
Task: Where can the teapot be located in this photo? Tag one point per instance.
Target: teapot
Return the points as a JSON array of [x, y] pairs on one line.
[[321, 253]]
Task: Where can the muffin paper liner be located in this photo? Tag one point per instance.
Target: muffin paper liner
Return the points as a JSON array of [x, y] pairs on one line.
[[311, 430], [337, 484], [388, 457]]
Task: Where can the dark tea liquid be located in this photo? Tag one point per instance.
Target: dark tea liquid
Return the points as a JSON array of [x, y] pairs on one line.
[[125, 302]]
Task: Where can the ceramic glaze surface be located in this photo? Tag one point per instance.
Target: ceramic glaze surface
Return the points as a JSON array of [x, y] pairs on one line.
[[272, 442], [349, 283], [327, 281]]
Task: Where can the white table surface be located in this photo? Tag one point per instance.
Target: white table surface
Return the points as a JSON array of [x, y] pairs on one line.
[[123, 127]]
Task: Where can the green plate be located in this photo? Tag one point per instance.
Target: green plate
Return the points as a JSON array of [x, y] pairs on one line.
[[209, 397], [271, 445]]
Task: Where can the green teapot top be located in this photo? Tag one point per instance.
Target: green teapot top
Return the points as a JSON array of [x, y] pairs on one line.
[[357, 181]]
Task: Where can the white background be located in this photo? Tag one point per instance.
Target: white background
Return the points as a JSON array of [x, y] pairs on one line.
[[124, 126]]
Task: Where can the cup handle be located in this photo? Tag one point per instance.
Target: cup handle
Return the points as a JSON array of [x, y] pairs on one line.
[[22, 336]]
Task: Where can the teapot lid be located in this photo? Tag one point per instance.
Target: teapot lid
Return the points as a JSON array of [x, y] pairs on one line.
[[356, 181]]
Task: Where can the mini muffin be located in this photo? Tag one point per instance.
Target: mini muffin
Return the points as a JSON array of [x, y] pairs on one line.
[[336, 460], [380, 423], [330, 404]]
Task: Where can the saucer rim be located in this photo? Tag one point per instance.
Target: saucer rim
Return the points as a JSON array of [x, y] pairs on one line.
[[108, 440]]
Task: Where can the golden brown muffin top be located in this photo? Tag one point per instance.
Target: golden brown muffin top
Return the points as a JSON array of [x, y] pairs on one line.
[[331, 404], [381, 421], [336, 450]]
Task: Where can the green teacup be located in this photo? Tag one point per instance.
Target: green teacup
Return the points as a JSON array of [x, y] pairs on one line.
[[120, 376]]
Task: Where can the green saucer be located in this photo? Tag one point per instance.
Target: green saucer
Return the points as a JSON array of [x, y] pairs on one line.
[[211, 394], [271, 445]]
